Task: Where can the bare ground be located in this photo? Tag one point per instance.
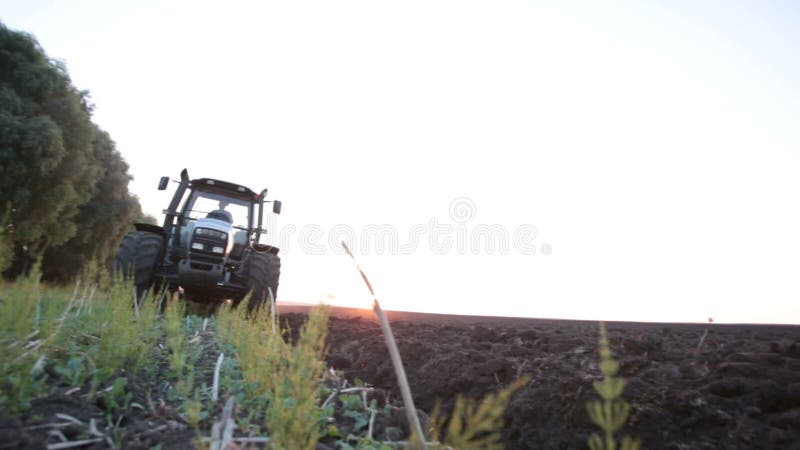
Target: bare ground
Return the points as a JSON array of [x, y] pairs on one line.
[[740, 390]]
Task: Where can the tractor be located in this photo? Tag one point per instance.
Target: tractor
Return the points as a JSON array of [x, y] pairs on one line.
[[208, 246]]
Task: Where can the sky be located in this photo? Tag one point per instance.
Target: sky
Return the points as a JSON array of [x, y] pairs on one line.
[[621, 161]]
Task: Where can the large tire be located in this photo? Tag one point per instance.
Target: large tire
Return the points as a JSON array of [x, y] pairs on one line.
[[138, 255], [264, 271]]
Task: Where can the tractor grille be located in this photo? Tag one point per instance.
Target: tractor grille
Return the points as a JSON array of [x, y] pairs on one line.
[[204, 243]]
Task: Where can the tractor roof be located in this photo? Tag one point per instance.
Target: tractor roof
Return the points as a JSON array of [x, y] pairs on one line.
[[223, 188]]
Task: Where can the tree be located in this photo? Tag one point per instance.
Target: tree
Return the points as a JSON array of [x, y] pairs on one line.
[[64, 179], [102, 221]]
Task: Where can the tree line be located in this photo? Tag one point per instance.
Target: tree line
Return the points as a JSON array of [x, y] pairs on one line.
[[64, 196]]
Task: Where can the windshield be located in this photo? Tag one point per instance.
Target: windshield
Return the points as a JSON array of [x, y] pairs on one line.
[[201, 204]]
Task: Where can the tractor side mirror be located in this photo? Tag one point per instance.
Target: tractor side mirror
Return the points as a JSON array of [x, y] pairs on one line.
[[162, 183], [276, 206]]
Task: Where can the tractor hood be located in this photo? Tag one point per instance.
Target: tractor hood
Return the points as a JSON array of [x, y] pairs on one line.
[[214, 224], [204, 240]]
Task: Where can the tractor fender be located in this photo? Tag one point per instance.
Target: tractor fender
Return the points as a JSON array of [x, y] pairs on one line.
[[157, 229], [263, 248]]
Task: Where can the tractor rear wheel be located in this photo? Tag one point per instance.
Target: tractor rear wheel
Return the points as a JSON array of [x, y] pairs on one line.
[[264, 271], [137, 258]]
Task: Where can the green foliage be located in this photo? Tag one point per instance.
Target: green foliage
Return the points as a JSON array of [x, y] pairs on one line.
[[102, 221], [62, 175], [97, 341], [286, 375], [193, 408], [117, 396], [611, 413], [476, 426], [73, 371], [127, 334], [296, 386], [175, 336], [28, 327], [6, 247], [182, 359], [45, 141], [82, 338]]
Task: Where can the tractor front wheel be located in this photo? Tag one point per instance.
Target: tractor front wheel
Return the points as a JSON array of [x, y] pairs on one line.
[[137, 258], [264, 271]]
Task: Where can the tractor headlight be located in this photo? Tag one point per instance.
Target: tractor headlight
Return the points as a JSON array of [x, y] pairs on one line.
[[197, 246], [219, 250]]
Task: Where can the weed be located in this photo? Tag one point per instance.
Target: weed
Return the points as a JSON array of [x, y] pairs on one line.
[[193, 407], [27, 332], [473, 426], [611, 413], [117, 398], [175, 337], [126, 339], [73, 371], [286, 375]]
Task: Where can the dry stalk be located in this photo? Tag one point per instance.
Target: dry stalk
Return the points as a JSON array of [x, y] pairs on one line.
[[371, 423], [92, 428], [222, 431], [73, 444], [90, 301], [83, 299], [161, 300], [703, 337], [215, 385], [74, 295], [411, 411], [272, 307], [336, 392], [70, 419], [244, 440]]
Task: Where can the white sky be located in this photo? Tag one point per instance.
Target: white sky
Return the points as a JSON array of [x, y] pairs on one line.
[[653, 146]]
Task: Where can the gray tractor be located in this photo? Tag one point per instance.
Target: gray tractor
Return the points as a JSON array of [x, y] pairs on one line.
[[208, 245]]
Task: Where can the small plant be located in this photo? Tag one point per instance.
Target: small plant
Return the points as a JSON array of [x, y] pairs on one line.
[[29, 326], [175, 338], [286, 376], [293, 420], [611, 413], [182, 361], [355, 409], [73, 371], [126, 331], [117, 397], [473, 425], [193, 407]]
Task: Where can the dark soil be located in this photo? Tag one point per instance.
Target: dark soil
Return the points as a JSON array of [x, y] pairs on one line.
[[741, 390]]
